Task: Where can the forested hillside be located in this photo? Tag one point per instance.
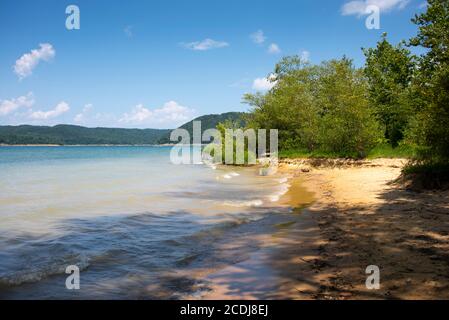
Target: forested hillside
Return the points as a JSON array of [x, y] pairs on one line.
[[73, 135], [211, 121]]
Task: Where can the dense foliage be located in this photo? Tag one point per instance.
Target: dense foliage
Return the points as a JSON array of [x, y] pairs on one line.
[[318, 108], [396, 99], [389, 71], [247, 157], [430, 127]]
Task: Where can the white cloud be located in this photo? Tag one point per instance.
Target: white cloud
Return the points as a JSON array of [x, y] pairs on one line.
[[258, 37], [81, 117], [274, 49], [264, 84], [138, 114], [205, 44], [60, 108], [26, 63], [171, 112], [358, 7], [305, 56], [8, 106]]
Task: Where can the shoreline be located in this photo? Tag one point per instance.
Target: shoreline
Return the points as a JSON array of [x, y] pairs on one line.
[[359, 217], [87, 145]]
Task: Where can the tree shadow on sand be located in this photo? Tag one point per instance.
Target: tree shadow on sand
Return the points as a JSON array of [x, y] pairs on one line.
[[324, 252], [407, 237]]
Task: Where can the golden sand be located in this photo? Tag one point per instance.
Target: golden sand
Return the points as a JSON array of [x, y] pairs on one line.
[[355, 216]]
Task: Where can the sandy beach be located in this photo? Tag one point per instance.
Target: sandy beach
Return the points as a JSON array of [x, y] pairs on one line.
[[349, 215]]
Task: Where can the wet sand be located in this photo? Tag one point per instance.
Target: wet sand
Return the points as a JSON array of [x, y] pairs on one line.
[[357, 217]]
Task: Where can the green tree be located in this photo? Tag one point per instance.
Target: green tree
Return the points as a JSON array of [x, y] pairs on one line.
[[389, 71], [347, 126], [289, 106], [317, 108], [431, 126], [249, 157]]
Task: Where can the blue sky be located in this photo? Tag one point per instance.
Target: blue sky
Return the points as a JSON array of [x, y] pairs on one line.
[[160, 63]]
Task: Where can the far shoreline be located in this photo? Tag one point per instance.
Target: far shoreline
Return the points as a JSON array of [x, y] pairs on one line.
[[87, 145]]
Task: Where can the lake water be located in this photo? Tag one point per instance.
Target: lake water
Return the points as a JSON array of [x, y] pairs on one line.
[[126, 216]]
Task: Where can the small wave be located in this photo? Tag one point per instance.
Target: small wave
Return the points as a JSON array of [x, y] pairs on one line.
[[250, 203], [188, 259], [277, 195], [199, 244], [230, 175], [283, 180], [33, 275], [217, 231]]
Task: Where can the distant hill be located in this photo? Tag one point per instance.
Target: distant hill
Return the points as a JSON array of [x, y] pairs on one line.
[[73, 135], [208, 122]]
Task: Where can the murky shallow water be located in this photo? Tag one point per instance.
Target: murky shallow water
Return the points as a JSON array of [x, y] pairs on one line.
[[127, 217]]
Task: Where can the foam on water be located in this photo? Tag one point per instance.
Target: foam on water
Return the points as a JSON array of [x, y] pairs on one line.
[[283, 189], [242, 204]]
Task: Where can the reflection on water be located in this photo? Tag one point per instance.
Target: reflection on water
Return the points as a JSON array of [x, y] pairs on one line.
[[126, 216]]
